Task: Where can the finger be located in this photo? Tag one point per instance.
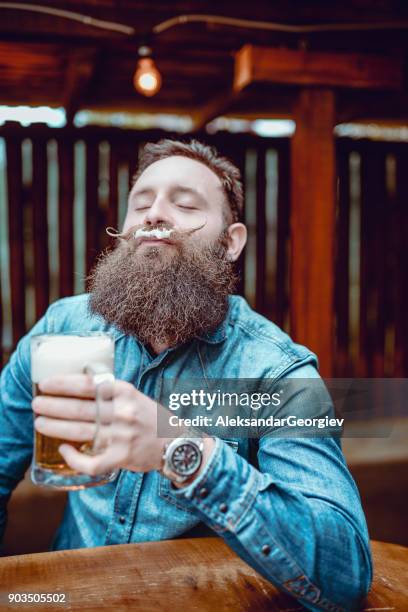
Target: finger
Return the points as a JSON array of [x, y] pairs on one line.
[[86, 464], [65, 408], [69, 385], [79, 431], [124, 390]]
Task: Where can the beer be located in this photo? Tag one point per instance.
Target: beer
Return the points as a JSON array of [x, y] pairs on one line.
[[58, 354], [46, 449]]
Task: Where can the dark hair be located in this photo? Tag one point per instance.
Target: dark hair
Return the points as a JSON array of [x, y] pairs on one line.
[[228, 174]]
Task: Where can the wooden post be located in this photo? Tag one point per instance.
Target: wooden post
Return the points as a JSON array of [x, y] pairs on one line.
[[312, 224]]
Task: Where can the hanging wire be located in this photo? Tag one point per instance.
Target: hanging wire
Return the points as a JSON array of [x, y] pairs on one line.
[[84, 19], [207, 19], [277, 27]]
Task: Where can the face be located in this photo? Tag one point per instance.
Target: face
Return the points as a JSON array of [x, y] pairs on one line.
[[185, 195], [167, 289]]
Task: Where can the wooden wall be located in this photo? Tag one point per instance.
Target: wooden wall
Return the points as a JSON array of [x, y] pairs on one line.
[[59, 189], [63, 187], [372, 264]]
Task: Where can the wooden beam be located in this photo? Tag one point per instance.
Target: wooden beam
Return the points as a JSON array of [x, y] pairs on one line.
[[353, 70], [312, 224], [213, 108], [79, 72]]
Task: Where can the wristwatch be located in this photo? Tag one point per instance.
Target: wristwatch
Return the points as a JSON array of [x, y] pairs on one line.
[[182, 458]]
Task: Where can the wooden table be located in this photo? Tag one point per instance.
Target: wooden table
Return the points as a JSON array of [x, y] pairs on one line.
[[194, 574]]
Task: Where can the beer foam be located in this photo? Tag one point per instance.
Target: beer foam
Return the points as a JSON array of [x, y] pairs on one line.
[[155, 233], [55, 355]]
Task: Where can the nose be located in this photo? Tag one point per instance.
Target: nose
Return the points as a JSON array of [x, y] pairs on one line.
[[158, 213]]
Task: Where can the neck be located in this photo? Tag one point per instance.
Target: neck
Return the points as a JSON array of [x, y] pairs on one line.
[[158, 348]]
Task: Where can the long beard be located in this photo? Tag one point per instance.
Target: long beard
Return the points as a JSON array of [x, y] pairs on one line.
[[163, 298]]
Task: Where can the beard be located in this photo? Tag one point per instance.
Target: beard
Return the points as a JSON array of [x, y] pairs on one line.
[[163, 295]]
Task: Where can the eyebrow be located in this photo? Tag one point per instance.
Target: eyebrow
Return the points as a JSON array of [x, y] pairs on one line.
[[142, 191], [175, 188]]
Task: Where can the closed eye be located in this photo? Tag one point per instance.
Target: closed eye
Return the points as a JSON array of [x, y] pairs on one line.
[[187, 207]]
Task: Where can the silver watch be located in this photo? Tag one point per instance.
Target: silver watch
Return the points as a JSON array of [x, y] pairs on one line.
[[182, 458]]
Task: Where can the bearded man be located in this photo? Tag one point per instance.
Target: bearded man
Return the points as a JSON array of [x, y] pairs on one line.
[[287, 504]]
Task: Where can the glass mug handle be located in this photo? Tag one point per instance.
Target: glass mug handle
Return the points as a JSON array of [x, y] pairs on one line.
[[102, 378]]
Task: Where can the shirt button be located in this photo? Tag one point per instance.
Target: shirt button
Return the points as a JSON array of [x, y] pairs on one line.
[[266, 549], [223, 508], [203, 492], [122, 520]]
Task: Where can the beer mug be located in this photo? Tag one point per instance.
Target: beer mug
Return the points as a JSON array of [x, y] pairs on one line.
[[70, 353]]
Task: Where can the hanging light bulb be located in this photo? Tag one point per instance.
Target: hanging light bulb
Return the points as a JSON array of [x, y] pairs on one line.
[[147, 79]]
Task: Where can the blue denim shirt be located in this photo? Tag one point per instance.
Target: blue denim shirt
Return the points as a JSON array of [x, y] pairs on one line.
[[293, 510]]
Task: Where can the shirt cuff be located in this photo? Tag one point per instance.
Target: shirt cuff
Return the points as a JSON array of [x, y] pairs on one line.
[[224, 491]]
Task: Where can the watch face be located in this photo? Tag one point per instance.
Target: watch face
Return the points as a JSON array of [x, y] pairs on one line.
[[185, 459]]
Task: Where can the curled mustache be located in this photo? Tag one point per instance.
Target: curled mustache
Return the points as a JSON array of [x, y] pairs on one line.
[[142, 229]]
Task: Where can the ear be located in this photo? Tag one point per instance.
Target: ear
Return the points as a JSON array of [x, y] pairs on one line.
[[237, 237]]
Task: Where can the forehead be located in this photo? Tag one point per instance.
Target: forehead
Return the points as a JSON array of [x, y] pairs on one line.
[[180, 170]]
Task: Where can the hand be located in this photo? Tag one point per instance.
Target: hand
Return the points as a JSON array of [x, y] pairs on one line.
[[128, 437], [129, 440]]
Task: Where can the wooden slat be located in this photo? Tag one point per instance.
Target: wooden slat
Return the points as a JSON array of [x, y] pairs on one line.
[[372, 275], [260, 297], [380, 254], [283, 236], [92, 208], [132, 154], [364, 363], [16, 238], [313, 224], [66, 216], [342, 285], [390, 246], [40, 227], [112, 212], [401, 306]]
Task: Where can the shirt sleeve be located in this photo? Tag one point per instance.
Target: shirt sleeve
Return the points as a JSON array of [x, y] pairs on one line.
[[16, 419], [295, 517]]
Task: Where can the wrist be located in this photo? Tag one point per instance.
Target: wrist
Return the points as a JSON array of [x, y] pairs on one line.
[[209, 446]]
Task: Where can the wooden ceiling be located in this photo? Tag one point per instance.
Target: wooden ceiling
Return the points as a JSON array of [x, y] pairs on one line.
[[54, 61]]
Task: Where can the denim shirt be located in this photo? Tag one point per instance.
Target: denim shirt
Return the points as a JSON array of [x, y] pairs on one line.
[[289, 508]]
